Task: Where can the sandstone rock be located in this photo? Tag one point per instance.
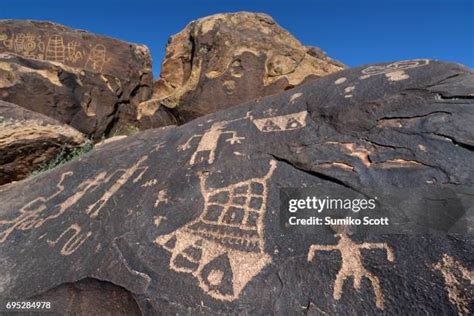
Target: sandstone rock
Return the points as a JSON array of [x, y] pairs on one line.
[[227, 59], [91, 82], [157, 220], [29, 139]]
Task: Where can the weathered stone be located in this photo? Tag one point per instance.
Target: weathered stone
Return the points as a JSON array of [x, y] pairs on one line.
[[163, 220], [29, 139], [227, 59], [91, 82]]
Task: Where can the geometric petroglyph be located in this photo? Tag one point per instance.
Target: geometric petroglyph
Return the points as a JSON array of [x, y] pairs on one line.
[[224, 248], [55, 49], [74, 242], [282, 123], [352, 265], [453, 274], [397, 66], [397, 75], [208, 142]]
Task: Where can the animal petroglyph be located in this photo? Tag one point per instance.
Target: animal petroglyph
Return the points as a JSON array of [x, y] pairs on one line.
[[393, 67], [282, 123], [74, 242], [209, 140], [454, 273], [224, 248], [352, 265]]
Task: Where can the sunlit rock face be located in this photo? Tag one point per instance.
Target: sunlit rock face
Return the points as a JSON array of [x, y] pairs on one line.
[[91, 82], [226, 59]]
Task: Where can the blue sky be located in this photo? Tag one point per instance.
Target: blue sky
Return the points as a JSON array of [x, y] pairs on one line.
[[354, 32]]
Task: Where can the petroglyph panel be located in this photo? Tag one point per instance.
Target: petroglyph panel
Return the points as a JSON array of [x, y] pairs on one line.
[[282, 123], [454, 275], [352, 265], [396, 66], [46, 208], [224, 248]]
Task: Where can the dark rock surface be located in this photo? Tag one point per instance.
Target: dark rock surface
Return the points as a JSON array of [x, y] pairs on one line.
[[92, 82], [227, 59], [29, 139], [156, 221]]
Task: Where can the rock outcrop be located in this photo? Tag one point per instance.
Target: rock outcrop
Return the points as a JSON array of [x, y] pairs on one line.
[[188, 220], [29, 139], [227, 59], [93, 83]]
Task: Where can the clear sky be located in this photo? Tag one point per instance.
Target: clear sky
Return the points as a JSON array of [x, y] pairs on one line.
[[355, 32]]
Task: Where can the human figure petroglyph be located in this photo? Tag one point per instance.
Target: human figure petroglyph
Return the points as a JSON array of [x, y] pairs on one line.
[[282, 122], [393, 67], [454, 273], [224, 248], [352, 265], [97, 58], [209, 140], [74, 242]]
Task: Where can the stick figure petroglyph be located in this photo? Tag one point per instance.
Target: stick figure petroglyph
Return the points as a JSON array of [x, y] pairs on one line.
[[352, 265], [224, 248], [209, 140]]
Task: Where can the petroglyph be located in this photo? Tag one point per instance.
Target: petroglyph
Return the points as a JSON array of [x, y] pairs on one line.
[[454, 275], [97, 58], [397, 75], [158, 220], [94, 209], [282, 123], [55, 49], [295, 96], [149, 183], [74, 242], [209, 140], [393, 67], [352, 265], [162, 198], [340, 80], [36, 213], [224, 248]]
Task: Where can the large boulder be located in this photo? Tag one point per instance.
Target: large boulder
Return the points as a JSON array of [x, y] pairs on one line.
[[94, 83], [188, 221], [226, 59], [28, 140]]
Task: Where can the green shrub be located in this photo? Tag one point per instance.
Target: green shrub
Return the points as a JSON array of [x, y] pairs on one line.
[[64, 156]]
